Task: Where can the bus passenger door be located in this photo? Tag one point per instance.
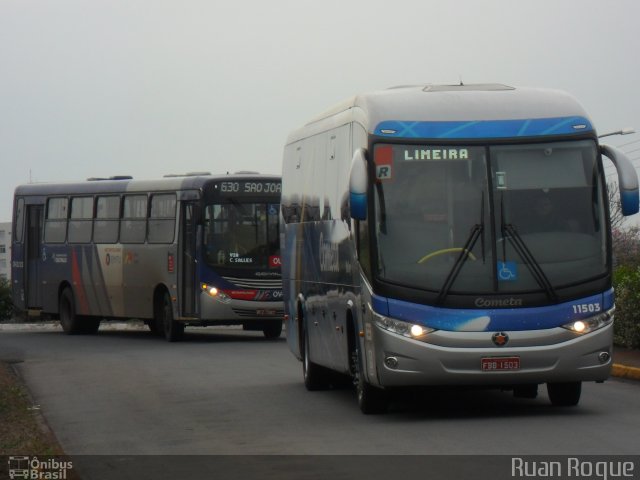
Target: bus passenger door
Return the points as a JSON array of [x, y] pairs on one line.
[[188, 260], [33, 249]]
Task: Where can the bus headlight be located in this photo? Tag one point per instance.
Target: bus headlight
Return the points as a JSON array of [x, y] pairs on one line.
[[215, 292], [590, 324], [409, 330]]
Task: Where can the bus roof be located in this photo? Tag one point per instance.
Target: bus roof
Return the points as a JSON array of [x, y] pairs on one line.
[[170, 183], [445, 103]]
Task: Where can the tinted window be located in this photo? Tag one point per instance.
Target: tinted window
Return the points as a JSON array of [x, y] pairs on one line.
[[134, 219], [81, 220], [162, 219], [105, 229], [55, 229], [19, 221]]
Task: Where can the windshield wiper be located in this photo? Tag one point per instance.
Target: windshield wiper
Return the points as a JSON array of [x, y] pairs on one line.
[[530, 261], [476, 231], [526, 255]]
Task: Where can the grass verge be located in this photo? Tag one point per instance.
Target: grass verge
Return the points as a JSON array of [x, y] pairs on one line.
[[23, 431]]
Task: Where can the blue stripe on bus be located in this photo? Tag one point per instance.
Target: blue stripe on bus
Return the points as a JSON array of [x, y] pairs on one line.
[[484, 129], [496, 319]]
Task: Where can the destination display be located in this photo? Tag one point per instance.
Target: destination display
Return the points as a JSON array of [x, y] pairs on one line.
[[436, 154], [248, 187]]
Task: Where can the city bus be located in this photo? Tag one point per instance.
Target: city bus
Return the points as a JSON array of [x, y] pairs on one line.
[[195, 249], [450, 236]]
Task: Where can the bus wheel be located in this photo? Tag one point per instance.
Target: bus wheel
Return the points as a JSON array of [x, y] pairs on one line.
[[153, 327], [90, 325], [272, 330], [564, 394], [67, 309], [315, 376], [371, 400], [173, 331]]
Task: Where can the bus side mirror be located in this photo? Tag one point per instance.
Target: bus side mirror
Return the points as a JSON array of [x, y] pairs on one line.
[[627, 179], [358, 180]]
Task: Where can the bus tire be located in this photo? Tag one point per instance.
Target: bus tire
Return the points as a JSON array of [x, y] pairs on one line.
[[153, 327], [564, 394], [315, 376], [173, 331], [89, 325], [371, 400], [67, 308], [272, 330]]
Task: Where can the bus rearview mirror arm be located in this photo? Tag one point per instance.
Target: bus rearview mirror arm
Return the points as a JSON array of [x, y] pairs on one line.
[[627, 179], [358, 180]]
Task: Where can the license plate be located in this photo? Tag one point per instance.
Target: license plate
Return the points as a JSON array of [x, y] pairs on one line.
[[500, 364], [266, 313]]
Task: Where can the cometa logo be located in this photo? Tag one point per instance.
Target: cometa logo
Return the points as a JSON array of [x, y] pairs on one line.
[[498, 302]]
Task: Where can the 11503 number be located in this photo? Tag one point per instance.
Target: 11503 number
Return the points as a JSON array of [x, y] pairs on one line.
[[587, 308]]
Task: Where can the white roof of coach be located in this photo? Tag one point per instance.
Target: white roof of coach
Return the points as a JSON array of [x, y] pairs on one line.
[[442, 103]]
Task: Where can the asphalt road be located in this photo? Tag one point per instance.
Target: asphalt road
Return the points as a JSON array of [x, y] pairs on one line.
[[228, 392]]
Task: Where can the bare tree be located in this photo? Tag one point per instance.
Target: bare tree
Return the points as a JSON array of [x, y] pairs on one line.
[[626, 238], [615, 209]]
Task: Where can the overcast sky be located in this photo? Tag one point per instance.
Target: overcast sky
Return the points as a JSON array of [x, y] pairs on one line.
[[150, 87]]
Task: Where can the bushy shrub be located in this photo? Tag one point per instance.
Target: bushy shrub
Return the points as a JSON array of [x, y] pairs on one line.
[[626, 247], [626, 331], [6, 304]]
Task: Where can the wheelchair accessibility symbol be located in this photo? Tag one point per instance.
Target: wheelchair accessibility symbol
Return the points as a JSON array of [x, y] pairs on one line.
[[507, 271]]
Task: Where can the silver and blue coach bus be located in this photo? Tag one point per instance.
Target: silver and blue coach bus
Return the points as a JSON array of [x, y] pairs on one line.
[[197, 249], [450, 235]]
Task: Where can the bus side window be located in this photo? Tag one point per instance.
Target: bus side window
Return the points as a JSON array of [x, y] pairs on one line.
[[81, 220], [162, 218], [133, 225], [18, 229], [55, 228], [106, 223]]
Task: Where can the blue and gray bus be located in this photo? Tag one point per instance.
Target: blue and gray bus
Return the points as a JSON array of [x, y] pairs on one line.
[[197, 249], [450, 235]]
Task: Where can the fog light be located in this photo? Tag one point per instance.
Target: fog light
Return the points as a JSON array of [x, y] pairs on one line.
[[391, 362], [604, 357]]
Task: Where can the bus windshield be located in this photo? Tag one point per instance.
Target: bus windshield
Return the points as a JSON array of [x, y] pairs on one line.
[[242, 235], [517, 218]]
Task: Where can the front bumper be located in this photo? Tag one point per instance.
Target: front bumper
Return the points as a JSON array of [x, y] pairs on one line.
[[454, 358]]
